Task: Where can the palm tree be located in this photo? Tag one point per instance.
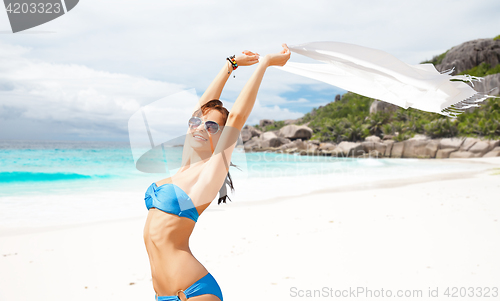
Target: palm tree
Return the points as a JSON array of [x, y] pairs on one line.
[[376, 122]]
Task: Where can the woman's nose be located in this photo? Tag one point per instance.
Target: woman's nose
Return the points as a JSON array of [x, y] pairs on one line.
[[201, 127]]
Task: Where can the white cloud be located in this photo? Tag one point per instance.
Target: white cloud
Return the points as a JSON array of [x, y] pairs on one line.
[[151, 37], [104, 59], [260, 112], [76, 100], [86, 101]]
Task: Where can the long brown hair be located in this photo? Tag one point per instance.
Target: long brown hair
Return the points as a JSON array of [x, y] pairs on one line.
[[217, 105]]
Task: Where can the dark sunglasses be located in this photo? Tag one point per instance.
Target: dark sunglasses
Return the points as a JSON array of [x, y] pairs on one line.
[[211, 126]]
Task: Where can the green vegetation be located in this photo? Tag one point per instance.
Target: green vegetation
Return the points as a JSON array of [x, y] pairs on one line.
[[275, 126], [340, 120], [436, 60], [272, 127], [349, 120], [350, 104], [497, 38], [482, 70]]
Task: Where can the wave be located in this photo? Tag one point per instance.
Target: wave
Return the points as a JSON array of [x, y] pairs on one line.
[[22, 176]]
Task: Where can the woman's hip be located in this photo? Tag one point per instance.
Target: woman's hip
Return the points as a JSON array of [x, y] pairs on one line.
[[176, 273], [203, 286]]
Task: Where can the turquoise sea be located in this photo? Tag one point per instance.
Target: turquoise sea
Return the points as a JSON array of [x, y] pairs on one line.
[[63, 182]]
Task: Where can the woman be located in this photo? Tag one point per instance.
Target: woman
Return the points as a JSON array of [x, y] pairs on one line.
[[175, 203]]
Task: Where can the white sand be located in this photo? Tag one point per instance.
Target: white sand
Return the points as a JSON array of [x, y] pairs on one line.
[[438, 232]]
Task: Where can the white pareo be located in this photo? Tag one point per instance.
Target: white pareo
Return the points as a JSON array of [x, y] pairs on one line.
[[377, 74]]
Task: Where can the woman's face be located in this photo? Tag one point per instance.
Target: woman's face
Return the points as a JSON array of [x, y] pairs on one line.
[[199, 138]]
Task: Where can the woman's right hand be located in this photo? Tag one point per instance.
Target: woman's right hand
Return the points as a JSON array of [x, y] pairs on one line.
[[277, 59]]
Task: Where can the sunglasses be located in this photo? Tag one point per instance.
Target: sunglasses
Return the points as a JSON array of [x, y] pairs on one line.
[[211, 126]]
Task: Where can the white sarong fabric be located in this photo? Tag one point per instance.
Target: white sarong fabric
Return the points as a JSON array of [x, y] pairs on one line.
[[377, 74]]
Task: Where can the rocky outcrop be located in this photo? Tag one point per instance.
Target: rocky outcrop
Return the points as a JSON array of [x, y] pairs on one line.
[[397, 150], [265, 122], [443, 148], [294, 146], [327, 146], [419, 146], [248, 132], [378, 106], [471, 54], [490, 84], [295, 139], [461, 154], [493, 153], [467, 144], [451, 143], [265, 141], [480, 148], [431, 149], [374, 149], [245, 135], [373, 138], [253, 144], [293, 131], [348, 149], [268, 135], [388, 149]]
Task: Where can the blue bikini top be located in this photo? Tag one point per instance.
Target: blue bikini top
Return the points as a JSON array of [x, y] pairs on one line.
[[171, 199]]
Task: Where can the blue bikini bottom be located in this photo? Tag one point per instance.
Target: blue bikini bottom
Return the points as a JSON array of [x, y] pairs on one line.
[[206, 285]]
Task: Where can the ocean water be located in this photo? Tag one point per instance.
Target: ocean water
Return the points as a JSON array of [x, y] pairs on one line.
[[44, 183], [52, 167]]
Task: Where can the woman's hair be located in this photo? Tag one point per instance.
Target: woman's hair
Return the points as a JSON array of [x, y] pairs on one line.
[[216, 104]]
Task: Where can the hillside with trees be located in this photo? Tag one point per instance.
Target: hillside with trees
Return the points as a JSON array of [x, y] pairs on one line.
[[354, 117]]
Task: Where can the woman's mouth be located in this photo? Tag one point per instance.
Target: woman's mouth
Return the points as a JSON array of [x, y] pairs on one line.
[[199, 137]]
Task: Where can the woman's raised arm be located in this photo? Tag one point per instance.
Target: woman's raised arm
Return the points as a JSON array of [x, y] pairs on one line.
[[246, 100], [214, 173], [215, 89]]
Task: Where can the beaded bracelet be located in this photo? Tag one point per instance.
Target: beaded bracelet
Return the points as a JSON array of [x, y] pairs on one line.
[[233, 62]]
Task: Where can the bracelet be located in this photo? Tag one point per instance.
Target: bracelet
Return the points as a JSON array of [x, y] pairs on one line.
[[233, 62]]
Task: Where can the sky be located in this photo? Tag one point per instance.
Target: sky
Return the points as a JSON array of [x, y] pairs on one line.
[[83, 75]]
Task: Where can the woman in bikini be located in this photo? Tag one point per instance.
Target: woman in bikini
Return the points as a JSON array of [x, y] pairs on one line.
[[175, 203]]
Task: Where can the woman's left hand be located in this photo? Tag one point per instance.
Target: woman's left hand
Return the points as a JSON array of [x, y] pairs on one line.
[[248, 58]]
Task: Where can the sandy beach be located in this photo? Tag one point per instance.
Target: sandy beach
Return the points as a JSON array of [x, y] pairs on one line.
[[424, 234]]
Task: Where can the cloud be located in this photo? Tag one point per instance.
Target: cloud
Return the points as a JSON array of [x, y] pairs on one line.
[[260, 112], [275, 112], [83, 100], [77, 102], [98, 64], [149, 37], [8, 112]]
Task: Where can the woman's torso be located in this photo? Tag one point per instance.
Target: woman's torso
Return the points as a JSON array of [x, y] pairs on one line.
[[166, 237]]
